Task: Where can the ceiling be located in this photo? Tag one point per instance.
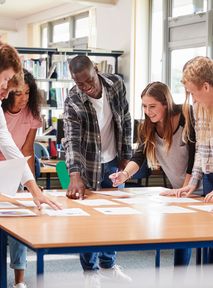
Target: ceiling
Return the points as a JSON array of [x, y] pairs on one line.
[[23, 8]]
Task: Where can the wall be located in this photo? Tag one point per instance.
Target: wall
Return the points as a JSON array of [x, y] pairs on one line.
[[114, 33]]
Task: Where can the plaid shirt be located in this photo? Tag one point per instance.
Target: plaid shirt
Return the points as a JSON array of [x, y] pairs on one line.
[[82, 141], [203, 158]]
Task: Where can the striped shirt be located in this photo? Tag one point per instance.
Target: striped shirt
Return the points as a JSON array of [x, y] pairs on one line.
[[82, 141], [204, 155]]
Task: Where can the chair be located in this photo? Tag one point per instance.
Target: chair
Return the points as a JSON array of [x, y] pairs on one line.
[[63, 175], [41, 151]]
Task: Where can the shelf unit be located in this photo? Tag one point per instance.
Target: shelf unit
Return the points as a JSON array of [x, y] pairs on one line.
[[49, 54]]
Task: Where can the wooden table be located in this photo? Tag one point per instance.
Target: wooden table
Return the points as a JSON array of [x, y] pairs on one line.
[[99, 232]]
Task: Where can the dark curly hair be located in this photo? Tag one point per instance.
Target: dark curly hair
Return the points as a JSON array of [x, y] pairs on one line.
[[34, 102]]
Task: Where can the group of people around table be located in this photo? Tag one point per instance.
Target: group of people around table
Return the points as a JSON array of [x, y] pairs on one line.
[[97, 140]]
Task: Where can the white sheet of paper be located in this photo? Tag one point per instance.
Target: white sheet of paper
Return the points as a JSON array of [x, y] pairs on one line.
[[11, 172], [67, 212], [171, 210], [165, 199], [27, 203], [207, 208], [4, 205], [118, 210], [96, 202], [20, 195], [16, 213], [56, 193], [115, 193], [132, 200], [148, 191]]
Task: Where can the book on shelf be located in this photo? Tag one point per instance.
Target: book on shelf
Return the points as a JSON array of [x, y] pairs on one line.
[[57, 97], [52, 72]]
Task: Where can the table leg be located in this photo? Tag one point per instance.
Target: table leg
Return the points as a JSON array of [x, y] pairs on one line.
[[40, 269], [3, 259], [48, 180]]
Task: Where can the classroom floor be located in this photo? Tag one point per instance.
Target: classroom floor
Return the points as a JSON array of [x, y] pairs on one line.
[[65, 271]]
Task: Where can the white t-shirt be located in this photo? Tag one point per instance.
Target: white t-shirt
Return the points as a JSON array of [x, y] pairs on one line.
[[106, 126], [9, 148]]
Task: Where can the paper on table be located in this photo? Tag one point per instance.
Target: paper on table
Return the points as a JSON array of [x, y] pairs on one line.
[[207, 208], [4, 205], [27, 203], [132, 200], [16, 213], [11, 172], [67, 212], [148, 191], [118, 210], [55, 193], [171, 209], [165, 199], [115, 193], [96, 202], [18, 195]]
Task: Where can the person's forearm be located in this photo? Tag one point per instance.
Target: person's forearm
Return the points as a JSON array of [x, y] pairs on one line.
[[32, 187], [186, 180], [131, 168]]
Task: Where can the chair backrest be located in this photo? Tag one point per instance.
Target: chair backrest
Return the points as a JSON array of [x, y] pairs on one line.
[[63, 175], [37, 167], [41, 151]]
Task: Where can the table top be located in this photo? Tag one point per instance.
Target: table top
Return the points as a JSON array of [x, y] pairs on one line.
[[99, 229]]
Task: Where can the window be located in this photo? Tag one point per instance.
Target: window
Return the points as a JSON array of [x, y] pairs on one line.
[[71, 32], [178, 59], [186, 33], [186, 7], [61, 32]]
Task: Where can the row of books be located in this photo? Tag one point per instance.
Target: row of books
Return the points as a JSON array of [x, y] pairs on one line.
[[38, 67], [59, 69], [57, 97]]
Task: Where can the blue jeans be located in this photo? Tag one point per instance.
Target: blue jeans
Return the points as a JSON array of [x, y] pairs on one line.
[[207, 188], [106, 259], [18, 254]]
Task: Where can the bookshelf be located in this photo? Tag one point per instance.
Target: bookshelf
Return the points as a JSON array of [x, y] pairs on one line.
[[51, 69]]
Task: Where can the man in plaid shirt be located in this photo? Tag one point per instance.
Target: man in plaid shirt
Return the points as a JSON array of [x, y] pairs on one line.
[[97, 142]]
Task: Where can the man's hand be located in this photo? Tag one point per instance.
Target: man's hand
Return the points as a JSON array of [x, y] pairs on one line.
[[76, 189]]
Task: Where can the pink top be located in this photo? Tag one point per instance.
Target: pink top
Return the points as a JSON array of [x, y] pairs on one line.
[[19, 125]]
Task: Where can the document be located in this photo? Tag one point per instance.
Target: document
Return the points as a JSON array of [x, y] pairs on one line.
[[4, 205], [16, 213], [118, 210], [56, 193], [165, 199], [27, 203], [171, 210], [115, 193], [207, 208], [96, 202], [67, 212], [19, 195], [11, 172], [148, 191], [133, 200]]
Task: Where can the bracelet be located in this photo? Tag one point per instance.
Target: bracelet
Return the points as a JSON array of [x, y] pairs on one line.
[[127, 173]]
